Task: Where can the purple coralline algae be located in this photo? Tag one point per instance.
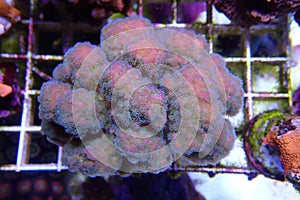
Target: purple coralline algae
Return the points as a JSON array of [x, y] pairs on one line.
[[296, 102], [143, 99]]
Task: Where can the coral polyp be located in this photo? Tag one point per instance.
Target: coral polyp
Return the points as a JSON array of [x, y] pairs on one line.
[[143, 99]]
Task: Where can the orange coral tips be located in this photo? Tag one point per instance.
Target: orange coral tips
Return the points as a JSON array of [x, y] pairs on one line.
[[5, 90]]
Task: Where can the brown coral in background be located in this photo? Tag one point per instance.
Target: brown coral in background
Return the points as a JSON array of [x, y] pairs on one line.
[[246, 13]]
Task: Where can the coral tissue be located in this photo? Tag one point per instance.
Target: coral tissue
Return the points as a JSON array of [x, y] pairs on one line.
[[246, 13], [143, 99], [8, 15], [285, 136]]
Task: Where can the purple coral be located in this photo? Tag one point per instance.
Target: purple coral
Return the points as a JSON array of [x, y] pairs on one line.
[[139, 101], [296, 102]]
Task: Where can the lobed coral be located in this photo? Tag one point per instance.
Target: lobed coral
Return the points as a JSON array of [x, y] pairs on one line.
[[144, 98]]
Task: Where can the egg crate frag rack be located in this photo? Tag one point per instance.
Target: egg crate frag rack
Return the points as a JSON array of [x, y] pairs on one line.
[[241, 63]]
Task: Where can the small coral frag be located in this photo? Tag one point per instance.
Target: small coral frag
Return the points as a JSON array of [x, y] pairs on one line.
[[285, 136]]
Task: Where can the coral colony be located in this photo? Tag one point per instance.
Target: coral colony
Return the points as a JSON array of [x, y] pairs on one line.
[[286, 137], [143, 99], [272, 145], [246, 13]]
